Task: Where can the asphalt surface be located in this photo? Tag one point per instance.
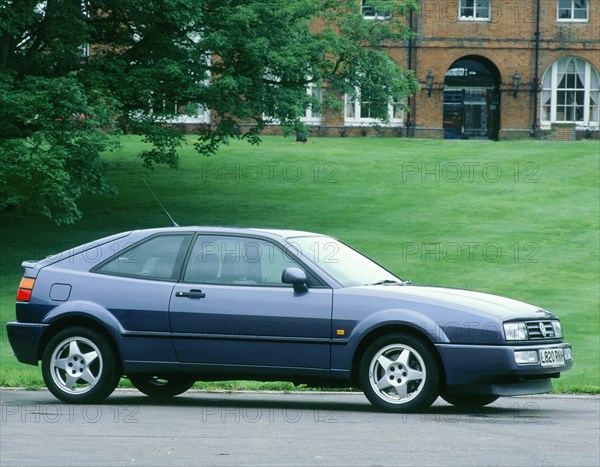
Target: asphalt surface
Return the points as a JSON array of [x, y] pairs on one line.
[[294, 429]]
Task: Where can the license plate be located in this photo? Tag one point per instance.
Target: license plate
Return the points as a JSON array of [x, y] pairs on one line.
[[552, 357]]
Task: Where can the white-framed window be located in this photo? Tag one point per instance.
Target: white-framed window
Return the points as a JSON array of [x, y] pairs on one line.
[[374, 10], [358, 112], [193, 113], [184, 113], [312, 116], [572, 10], [474, 10], [570, 93]]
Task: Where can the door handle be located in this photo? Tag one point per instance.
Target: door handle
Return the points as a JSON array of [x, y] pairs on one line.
[[194, 293]]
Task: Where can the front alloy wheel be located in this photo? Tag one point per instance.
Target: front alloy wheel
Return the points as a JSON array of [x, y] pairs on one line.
[[79, 366], [399, 373]]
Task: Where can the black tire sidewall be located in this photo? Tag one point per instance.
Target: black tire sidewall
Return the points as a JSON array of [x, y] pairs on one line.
[[108, 379], [469, 400], [174, 385], [430, 389]]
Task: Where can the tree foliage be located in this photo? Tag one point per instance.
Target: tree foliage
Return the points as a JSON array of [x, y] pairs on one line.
[[250, 61]]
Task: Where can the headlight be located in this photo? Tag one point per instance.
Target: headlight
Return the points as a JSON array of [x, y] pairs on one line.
[[558, 332], [515, 332]]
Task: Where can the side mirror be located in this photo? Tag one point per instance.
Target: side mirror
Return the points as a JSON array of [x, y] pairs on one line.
[[296, 277]]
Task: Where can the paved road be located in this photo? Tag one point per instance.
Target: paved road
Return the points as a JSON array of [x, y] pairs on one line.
[[299, 429]]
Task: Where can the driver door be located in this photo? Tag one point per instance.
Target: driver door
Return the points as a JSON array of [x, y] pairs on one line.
[[231, 309]]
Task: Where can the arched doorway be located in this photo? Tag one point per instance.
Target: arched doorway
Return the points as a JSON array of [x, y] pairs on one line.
[[472, 99]]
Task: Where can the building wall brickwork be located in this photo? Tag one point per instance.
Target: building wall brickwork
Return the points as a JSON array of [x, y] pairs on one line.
[[507, 41]]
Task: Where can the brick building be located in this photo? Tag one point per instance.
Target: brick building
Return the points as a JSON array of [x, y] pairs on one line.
[[495, 69]]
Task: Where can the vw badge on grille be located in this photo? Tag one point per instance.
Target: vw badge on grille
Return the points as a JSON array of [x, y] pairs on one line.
[[543, 329]]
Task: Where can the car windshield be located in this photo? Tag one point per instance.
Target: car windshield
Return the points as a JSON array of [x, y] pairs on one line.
[[344, 264]]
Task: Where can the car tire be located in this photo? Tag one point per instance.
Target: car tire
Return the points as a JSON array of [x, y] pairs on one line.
[[399, 373], [469, 400], [161, 387], [80, 366]]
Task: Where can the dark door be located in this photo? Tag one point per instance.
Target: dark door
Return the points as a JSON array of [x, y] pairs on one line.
[[471, 93]]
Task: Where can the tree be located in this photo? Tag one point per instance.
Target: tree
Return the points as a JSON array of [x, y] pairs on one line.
[[61, 106]]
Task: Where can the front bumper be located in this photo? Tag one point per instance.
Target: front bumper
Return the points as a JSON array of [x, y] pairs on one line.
[[485, 369], [24, 339]]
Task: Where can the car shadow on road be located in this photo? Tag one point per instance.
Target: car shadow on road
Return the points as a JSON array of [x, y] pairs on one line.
[[351, 402]]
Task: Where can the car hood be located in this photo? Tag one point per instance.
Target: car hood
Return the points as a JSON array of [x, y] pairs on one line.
[[467, 300]]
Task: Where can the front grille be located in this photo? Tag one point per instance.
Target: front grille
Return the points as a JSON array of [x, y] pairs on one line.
[[534, 328]]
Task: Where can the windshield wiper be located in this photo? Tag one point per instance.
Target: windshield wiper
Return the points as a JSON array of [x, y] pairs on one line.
[[390, 282]]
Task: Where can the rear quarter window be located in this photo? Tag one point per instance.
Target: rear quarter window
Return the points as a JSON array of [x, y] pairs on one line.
[[159, 257]]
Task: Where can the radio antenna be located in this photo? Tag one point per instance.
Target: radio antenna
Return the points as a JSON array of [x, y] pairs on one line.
[[175, 224]]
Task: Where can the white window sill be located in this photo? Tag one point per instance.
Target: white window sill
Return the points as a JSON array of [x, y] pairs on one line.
[[364, 122], [545, 125], [563, 20], [311, 121]]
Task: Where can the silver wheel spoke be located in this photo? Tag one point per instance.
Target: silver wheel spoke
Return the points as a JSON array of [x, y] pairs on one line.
[[383, 383], [90, 357], [74, 348], [384, 361], [61, 364], [403, 357], [402, 392], [88, 376], [414, 375], [70, 381]]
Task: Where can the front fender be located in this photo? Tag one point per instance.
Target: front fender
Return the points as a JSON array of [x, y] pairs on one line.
[[342, 354], [398, 316]]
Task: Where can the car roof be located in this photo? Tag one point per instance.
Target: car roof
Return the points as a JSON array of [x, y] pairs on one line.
[[265, 232]]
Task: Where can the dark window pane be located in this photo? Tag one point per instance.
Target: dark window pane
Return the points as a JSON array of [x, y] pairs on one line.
[[237, 261], [365, 110], [154, 258]]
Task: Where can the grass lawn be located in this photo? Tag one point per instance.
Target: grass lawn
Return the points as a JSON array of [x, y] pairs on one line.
[[519, 219]]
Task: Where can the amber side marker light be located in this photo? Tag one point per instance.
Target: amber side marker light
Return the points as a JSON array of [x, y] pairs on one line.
[[25, 288]]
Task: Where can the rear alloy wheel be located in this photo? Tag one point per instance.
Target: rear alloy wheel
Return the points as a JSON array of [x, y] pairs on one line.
[[469, 400], [399, 373], [79, 366], [161, 387]]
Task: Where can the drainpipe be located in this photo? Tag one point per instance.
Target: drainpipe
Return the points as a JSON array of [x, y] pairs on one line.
[[536, 71], [410, 67]]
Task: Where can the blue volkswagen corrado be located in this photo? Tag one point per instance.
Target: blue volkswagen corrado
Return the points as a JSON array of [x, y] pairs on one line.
[[170, 306]]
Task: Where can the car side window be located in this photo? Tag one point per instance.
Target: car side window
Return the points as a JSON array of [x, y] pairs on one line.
[[237, 261], [159, 257]]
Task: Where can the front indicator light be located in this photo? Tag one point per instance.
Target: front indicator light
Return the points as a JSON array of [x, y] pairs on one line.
[[526, 357], [25, 289], [568, 353], [558, 332], [515, 331]]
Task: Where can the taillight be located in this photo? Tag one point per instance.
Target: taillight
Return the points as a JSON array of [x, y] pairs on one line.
[[25, 288]]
